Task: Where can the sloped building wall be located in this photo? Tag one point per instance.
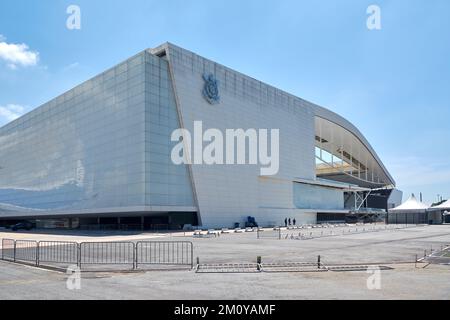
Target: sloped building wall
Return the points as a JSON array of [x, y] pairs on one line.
[[81, 152], [230, 193]]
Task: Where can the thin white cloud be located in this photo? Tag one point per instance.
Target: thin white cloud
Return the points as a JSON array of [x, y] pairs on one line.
[[16, 55], [71, 66], [11, 112]]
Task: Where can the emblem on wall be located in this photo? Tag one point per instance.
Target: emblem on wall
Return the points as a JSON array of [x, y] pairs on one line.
[[211, 89]]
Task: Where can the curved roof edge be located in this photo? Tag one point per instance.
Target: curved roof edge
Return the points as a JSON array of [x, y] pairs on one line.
[[317, 110], [341, 121]]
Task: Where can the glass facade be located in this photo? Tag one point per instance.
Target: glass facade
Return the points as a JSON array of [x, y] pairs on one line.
[[312, 197]]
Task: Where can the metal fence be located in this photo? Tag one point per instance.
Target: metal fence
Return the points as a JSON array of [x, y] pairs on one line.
[[107, 253], [58, 252], [8, 249], [273, 234], [86, 254], [321, 231], [289, 266], [26, 250], [165, 253]]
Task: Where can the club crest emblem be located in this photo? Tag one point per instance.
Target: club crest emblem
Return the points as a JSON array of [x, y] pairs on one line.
[[211, 89]]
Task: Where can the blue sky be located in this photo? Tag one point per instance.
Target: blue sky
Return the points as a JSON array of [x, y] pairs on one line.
[[393, 83]]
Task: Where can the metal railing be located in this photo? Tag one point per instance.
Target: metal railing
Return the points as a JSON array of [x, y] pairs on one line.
[[8, 249], [302, 233], [274, 234], [107, 253], [62, 252], [26, 250], [85, 254], [302, 266], [165, 253]]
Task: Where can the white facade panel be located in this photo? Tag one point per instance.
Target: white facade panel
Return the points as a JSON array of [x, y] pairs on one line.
[[230, 193], [83, 150]]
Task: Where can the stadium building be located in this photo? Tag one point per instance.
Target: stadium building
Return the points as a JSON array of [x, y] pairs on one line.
[[100, 154]]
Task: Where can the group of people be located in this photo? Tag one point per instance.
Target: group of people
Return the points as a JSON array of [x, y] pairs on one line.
[[288, 221]]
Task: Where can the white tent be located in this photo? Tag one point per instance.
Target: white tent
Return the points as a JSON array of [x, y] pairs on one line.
[[412, 205], [443, 206]]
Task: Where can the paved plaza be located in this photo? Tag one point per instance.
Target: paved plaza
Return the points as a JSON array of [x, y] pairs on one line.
[[391, 248]]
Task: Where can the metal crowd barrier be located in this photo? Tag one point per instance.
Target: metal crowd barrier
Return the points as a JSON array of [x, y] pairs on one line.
[[275, 233], [26, 250], [63, 252], [164, 253], [107, 253], [141, 253], [8, 249]]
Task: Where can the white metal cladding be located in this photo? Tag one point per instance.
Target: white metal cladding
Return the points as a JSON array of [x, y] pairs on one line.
[[230, 193], [82, 150], [166, 184], [104, 146]]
